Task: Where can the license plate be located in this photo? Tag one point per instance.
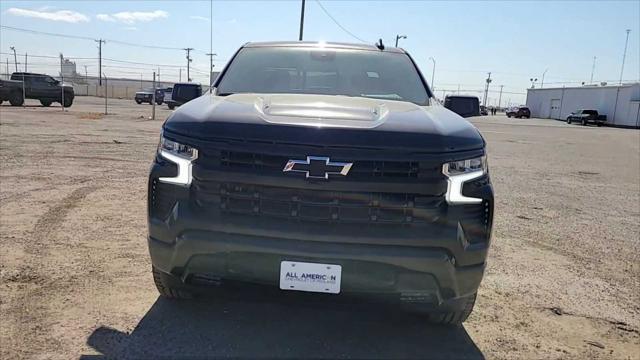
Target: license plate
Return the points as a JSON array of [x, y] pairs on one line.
[[302, 276]]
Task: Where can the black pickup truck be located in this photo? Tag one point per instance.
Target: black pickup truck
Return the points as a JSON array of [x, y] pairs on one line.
[[325, 168], [36, 86], [585, 117]]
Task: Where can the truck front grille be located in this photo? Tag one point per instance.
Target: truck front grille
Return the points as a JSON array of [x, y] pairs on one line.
[[236, 160], [318, 206]]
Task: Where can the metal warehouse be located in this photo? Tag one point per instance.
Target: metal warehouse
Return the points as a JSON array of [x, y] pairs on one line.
[[621, 104]]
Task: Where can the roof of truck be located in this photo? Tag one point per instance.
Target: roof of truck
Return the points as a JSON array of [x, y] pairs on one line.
[[321, 44]]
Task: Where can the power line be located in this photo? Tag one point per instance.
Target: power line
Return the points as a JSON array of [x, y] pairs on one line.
[[337, 23], [87, 38]]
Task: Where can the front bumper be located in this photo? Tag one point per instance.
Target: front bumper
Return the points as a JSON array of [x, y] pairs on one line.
[[436, 264]]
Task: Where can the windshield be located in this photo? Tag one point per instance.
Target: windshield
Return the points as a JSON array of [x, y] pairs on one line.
[[373, 74]]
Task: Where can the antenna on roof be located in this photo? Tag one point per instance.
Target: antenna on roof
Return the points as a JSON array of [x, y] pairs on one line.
[[380, 45]]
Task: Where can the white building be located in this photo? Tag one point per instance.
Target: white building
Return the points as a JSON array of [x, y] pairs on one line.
[[621, 103]]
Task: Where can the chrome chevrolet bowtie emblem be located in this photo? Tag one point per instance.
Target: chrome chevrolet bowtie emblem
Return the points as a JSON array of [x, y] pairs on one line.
[[318, 167]]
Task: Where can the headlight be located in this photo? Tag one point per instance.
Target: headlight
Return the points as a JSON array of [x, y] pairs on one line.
[[459, 172], [180, 154], [455, 168], [173, 147]]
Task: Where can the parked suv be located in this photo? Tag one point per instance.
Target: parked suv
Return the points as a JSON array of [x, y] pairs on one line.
[[146, 95], [465, 106], [36, 86], [183, 93], [587, 116], [519, 112], [324, 168]]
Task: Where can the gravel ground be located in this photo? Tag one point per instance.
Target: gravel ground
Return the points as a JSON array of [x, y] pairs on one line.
[[562, 282]]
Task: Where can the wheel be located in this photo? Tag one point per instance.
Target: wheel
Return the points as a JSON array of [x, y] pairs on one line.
[[45, 103], [171, 106], [165, 284], [569, 120], [455, 318], [16, 99], [584, 122], [68, 101], [0, 102], [138, 101], [598, 124], [158, 102]]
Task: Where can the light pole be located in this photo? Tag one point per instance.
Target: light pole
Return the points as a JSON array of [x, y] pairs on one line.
[[15, 57], [486, 90], [398, 37], [593, 68], [301, 22], [433, 72], [542, 82], [623, 56]]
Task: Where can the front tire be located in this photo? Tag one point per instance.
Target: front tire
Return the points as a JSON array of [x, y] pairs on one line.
[[171, 106], [45, 103], [16, 99], [165, 284], [584, 122], [569, 120], [138, 102], [455, 318]]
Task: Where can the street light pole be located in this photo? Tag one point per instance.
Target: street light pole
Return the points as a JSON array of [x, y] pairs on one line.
[[542, 82], [623, 56], [15, 57], [486, 90], [188, 50], [301, 22], [593, 68], [500, 98], [398, 37], [433, 72]]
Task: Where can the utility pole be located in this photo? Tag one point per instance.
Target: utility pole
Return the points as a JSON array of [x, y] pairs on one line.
[[593, 68], [153, 98], [106, 86], [623, 56], [179, 75], [433, 72], [159, 78], [542, 82], [301, 22], [486, 90], [398, 37], [8, 69], [188, 50], [100, 42], [25, 62], [15, 58], [500, 97], [211, 55], [86, 76]]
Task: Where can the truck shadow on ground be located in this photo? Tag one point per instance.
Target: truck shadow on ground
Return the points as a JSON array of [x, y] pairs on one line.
[[259, 328]]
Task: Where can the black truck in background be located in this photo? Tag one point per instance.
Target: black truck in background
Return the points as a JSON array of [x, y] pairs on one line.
[[36, 86]]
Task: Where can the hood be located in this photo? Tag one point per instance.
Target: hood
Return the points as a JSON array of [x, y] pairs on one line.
[[325, 120]]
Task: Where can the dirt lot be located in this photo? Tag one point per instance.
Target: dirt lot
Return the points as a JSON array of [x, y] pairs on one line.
[[563, 279]]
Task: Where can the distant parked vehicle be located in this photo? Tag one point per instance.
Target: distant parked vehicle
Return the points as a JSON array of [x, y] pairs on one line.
[[167, 94], [483, 110], [587, 116], [519, 112], [183, 93], [36, 86], [146, 95], [465, 106]]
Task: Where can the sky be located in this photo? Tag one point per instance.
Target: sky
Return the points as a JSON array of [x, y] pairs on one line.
[[514, 40]]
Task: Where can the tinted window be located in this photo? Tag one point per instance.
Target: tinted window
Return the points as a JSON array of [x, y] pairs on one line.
[[590, 112], [374, 74], [463, 106], [187, 92]]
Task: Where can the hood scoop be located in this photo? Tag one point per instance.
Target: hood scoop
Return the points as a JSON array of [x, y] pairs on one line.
[[322, 110]]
